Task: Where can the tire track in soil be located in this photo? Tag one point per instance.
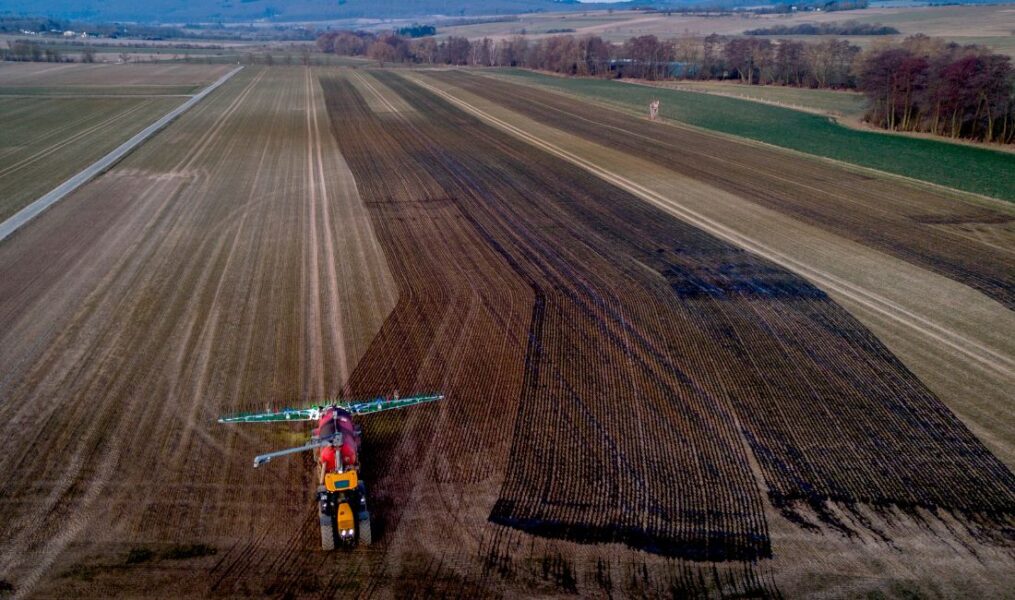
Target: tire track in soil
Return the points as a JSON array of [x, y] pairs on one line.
[[359, 255], [314, 325], [376, 94], [513, 238], [334, 322]]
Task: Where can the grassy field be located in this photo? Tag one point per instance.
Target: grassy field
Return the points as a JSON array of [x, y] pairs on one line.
[[960, 21], [839, 103], [110, 50], [998, 43], [990, 26], [967, 168]]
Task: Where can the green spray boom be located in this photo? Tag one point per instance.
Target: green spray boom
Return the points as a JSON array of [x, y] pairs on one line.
[[314, 413]]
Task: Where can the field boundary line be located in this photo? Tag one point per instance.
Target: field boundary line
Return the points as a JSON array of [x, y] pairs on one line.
[[987, 357], [26, 214]]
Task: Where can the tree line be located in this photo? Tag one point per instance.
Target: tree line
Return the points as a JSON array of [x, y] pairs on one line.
[[924, 84], [845, 28], [919, 84], [825, 64], [25, 51]]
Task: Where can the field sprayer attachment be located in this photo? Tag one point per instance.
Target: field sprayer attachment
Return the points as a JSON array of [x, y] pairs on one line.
[[341, 494]]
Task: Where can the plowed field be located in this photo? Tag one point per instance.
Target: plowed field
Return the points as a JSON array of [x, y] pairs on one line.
[[227, 261], [635, 405]]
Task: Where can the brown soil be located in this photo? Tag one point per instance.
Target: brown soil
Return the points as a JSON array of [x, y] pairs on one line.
[[634, 406], [593, 264]]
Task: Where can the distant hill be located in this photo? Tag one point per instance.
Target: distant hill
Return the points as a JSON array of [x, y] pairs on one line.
[[184, 11], [179, 11]]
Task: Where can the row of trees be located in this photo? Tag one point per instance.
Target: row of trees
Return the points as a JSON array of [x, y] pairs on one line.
[[824, 64], [28, 51], [844, 28], [752, 60], [921, 84], [23, 51], [926, 85]]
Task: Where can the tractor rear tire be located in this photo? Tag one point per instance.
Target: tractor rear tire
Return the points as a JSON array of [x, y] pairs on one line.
[[365, 536], [327, 533]]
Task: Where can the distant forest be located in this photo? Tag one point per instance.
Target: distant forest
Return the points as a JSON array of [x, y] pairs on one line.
[[845, 28], [920, 84]]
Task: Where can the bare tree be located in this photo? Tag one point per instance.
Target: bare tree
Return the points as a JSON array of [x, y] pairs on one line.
[[790, 67], [752, 58], [381, 52], [425, 50], [688, 52]]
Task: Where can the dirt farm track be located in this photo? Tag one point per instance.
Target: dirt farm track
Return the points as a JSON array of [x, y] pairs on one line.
[[676, 364]]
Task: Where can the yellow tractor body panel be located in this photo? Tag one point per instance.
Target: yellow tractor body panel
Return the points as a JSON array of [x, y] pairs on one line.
[[345, 518], [341, 482]]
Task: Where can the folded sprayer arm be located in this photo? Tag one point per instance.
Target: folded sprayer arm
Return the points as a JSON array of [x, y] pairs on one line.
[[335, 439]]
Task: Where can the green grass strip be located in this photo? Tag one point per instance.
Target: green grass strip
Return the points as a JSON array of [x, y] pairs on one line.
[[969, 168]]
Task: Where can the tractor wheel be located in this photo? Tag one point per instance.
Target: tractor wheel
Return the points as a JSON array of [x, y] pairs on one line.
[[327, 532], [365, 537]]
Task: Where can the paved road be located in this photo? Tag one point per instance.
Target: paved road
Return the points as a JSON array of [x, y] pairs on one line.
[[34, 209]]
